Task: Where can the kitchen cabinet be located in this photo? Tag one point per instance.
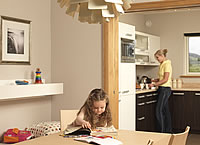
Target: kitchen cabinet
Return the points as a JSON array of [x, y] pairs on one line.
[[126, 112], [184, 107], [126, 78], [127, 83], [145, 111], [145, 47], [154, 42]]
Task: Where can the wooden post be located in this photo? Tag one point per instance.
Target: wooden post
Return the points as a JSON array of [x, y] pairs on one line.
[[110, 65]]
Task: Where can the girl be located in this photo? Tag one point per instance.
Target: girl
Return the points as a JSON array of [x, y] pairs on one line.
[[164, 91], [95, 112]]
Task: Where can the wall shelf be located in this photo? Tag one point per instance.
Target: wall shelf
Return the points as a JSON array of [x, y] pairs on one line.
[[31, 90]]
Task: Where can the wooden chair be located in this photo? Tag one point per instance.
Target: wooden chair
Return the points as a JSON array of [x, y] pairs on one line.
[[150, 142], [67, 117], [180, 138]]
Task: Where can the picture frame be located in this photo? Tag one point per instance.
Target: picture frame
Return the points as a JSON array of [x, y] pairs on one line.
[[14, 41]]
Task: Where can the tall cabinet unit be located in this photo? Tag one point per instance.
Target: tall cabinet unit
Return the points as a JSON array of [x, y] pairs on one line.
[[127, 77]]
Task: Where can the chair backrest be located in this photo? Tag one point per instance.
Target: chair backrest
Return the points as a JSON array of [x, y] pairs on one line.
[[67, 117], [180, 138], [150, 142]]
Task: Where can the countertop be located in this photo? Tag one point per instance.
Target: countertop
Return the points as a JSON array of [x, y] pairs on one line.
[[185, 87], [145, 91]]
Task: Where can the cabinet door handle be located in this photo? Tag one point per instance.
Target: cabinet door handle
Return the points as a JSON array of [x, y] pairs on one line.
[[141, 104], [180, 94], [140, 97], [149, 95], [150, 102], [128, 34], [141, 118], [197, 94], [124, 92]]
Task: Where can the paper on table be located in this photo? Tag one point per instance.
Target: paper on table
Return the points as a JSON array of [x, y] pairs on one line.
[[100, 141], [105, 129]]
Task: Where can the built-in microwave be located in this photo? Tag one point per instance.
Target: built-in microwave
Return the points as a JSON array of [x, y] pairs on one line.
[[127, 50]]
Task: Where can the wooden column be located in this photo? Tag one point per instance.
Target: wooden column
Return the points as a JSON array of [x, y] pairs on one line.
[[110, 65]]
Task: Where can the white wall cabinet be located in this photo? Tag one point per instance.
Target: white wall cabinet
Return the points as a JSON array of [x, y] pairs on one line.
[[154, 46], [146, 45]]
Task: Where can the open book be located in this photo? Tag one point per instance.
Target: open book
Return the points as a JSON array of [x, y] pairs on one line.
[[71, 130], [110, 131], [98, 140]]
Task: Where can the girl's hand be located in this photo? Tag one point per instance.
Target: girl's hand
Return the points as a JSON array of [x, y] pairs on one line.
[[86, 124]]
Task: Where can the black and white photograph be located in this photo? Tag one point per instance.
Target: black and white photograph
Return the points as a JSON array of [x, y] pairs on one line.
[[15, 41], [15, 45]]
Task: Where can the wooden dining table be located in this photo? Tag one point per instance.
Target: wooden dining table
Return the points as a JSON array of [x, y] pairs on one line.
[[125, 136]]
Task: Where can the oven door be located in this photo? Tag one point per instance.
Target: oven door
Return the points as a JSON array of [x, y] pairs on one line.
[[127, 51]]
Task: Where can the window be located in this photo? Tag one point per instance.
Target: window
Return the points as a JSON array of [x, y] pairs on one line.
[[192, 53]]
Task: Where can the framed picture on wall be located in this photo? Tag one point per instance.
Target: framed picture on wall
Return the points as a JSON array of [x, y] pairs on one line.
[[15, 41]]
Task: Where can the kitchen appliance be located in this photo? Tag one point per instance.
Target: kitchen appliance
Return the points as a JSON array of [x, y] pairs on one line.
[[127, 77], [145, 80], [127, 50], [126, 43]]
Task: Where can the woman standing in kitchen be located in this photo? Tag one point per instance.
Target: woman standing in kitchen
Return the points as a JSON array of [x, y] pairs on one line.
[[164, 91]]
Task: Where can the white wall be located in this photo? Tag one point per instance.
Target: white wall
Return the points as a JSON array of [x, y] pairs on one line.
[[76, 59], [20, 113], [171, 27]]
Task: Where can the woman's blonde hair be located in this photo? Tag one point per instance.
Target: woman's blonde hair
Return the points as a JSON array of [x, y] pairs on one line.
[[161, 52], [105, 117]]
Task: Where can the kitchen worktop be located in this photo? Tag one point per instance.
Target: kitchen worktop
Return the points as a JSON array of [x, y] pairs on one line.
[[185, 87], [139, 91]]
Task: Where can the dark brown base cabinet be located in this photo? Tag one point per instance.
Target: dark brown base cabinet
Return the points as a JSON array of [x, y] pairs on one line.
[[145, 111], [185, 110]]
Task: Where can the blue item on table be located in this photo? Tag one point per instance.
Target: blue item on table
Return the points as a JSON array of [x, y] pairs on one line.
[[21, 82]]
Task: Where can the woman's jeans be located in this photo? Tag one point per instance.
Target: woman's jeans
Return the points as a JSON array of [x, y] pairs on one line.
[[162, 110]]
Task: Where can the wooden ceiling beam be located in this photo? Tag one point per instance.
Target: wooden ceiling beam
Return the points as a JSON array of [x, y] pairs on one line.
[[163, 5]]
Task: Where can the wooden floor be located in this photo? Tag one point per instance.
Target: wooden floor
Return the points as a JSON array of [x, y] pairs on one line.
[[193, 139]]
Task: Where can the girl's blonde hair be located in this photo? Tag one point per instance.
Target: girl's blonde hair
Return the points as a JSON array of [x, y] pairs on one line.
[[105, 117], [161, 52]]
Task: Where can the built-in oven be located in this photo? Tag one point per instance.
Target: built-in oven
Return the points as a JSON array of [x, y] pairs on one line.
[[127, 50]]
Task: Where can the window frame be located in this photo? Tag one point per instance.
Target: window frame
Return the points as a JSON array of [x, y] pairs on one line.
[[186, 37]]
